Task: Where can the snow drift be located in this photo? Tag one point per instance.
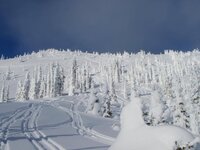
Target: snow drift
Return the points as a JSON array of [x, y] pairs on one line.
[[136, 135]]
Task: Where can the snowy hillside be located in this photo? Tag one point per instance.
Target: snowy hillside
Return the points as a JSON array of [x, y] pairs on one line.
[[73, 100]]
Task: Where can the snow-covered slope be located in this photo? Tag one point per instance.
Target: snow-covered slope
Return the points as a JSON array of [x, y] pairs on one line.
[[72, 100]]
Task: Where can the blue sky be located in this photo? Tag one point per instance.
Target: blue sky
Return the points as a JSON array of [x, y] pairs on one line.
[[99, 25]]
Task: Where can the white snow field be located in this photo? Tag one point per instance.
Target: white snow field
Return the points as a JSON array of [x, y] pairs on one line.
[[51, 125], [45, 125], [64, 100]]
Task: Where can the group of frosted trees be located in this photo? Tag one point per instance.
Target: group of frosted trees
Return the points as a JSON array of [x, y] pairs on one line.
[[171, 81], [79, 79], [41, 85], [4, 93], [52, 82]]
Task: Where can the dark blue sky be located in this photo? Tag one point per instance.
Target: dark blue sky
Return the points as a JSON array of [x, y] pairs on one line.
[[100, 25]]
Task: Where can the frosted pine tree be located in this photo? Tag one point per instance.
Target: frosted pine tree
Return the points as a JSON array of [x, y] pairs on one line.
[[88, 79], [73, 78], [26, 87], [19, 93], [55, 81], [52, 85], [42, 92], [107, 105], [57, 85], [7, 93], [8, 74], [156, 108], [74, 73], [181, 117], [39, 79], [48, 84], [113, 92], [106, 108], [84, 78], [91, 101], [3, 94], [71, 91], [50, 80], [61, 79], [94, 106], [117, 71], [33, 89]]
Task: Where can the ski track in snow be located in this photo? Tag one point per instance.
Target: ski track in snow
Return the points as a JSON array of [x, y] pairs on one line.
[[7, 122], [29, 116], [39, 140], [77, 123]]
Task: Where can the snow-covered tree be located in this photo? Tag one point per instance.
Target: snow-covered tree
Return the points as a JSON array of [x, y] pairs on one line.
[[38, 79], [58, 82], [19, 93], [8, 74], [74, 73], [48, 84], [26, 87], [156, 108], [73, 78], [113, 94], [117, 71], [33, 89], [94, 106], [4, 94], [55, 81], [42, 92], [107, 106], [181, 117]]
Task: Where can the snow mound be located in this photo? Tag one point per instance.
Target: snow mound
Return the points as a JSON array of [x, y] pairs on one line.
[[136, 135]]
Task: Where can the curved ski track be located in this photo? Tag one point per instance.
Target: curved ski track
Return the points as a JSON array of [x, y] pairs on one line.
[[30, 128], [29, 116], [7, 122], [77, 123]]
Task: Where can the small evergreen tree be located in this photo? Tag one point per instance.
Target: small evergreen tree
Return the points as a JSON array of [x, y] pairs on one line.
[[2, 98], [7, 93], [107, 106], [8, 74], [73, 78], [181, 117], [33, 89], [156, 108], [42, 92], [19, 93], [26, 87], [94, 106]]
